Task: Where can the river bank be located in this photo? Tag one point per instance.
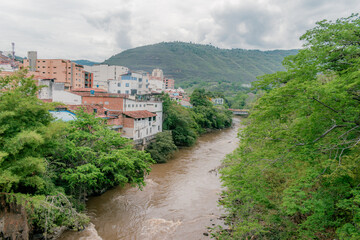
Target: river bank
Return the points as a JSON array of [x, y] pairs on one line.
[[178, 202]]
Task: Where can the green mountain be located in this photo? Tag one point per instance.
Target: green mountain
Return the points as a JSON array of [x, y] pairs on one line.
[[85, 62], [202, 65]]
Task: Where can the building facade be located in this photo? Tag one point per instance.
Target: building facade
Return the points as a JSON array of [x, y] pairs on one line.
[[102, 74], [62, 71]]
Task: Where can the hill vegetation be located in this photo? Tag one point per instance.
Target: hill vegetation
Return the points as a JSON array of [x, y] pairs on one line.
[[85, 62], [194, 65]]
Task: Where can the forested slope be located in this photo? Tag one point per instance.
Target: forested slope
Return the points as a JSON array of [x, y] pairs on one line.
[[195, 65]]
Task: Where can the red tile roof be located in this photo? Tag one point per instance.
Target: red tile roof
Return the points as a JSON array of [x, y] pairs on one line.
[[139, 114]]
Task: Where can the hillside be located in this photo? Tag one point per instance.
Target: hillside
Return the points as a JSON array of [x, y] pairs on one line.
[[85, 62], [202, 65]]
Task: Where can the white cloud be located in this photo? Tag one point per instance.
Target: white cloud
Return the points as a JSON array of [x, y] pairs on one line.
[[95, 30]]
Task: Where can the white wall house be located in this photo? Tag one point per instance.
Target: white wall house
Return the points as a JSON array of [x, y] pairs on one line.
[[130, 83], [144, 127], [103, 73], [56, 92]]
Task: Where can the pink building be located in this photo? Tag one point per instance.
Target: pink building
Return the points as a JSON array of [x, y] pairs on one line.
[[62, 71], [169, 83]]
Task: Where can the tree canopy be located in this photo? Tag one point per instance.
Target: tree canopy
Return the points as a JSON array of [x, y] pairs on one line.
[[296, 172], [48, 167]]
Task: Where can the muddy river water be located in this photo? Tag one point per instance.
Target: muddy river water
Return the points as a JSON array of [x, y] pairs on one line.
[[179, 200]]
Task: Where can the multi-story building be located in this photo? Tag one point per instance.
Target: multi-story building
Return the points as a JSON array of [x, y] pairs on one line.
[[105, 73], [61, 70], [158, 73], [89, 79], [169, 83], [130, 83]]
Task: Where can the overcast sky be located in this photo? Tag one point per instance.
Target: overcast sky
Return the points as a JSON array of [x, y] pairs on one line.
[[97, 29]]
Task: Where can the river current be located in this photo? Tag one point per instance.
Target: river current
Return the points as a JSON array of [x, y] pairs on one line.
[[179, 200]]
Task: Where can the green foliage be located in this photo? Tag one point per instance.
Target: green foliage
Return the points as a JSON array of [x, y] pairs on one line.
[[162, 148], [22, 118], [41, 160], [296, 172], [206, 114], [180, 122], [90, 158]]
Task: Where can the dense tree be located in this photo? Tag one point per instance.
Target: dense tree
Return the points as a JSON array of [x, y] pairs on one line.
[[162, 148], [179, 121], [47, 166], [22, 120], [296, 172], [206, 115], [90, 158]]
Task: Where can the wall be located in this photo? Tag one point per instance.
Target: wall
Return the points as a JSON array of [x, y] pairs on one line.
[[111, 103], [66, 98]]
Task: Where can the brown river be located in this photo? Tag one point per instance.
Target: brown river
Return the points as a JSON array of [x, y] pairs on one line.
[[179, 200]]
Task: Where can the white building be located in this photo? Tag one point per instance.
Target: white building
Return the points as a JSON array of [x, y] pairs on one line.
[[56, 92], [144, 119], [103, 73], [130, 83], [158, 73]]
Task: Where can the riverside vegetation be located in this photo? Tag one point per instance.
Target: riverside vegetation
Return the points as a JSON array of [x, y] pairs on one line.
[[48, 168], [183, 125], [296, 172]]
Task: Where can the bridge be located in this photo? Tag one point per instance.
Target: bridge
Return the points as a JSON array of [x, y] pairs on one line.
[[241, 112]]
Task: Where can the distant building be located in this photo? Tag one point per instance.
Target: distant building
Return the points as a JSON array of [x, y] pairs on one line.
[[218, 101], [132, 83], [169, 83], [89, 79], [103, 73], [158, 73], [32, 57], [7, 64]]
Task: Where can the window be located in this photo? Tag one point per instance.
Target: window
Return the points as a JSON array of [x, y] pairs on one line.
[[106, 103], [95, 110], [147, 131], [133, 105], [43, 66], [54, 72], [129, 105], [136, 105], [140, 79], [158, 128], [127, 84], [155, 105], [119, 91], [127, 91], [140, 85], [119, 84], [154, 118]]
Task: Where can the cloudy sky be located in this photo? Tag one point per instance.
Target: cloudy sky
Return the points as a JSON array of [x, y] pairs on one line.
[[98, 29]]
